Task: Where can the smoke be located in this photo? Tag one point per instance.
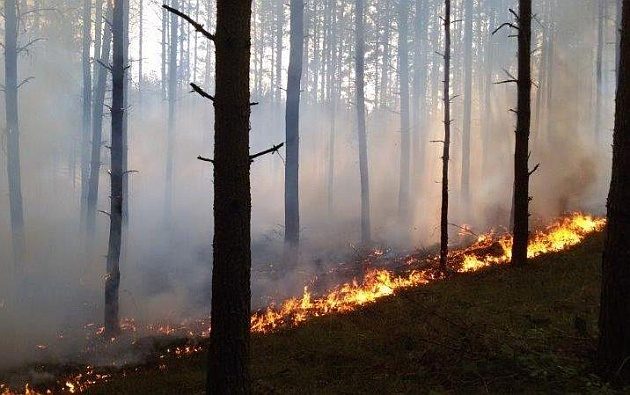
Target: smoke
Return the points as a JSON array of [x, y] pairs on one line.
[[166, 265]]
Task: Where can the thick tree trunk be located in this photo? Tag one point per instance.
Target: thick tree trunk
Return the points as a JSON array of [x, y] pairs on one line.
[[447, 138], [468, 68], [614, 319], [112, 282], [13, 131], [86, 119], [228, 363], [521, 151], [97, 130], [360, 105], [405, 141], [291, 194], [172, 102]]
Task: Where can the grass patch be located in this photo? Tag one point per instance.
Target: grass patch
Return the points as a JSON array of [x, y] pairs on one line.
[[503, 330]]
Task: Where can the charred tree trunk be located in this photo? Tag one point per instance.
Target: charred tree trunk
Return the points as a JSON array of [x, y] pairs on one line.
[[112, 282], [86, 119], [97, 130], [172, 101], [614, 319], [521, 151], [13, 130], [405, 143], [291, 194], [468, 66], [228, 361], [447, 138], [360, 105]]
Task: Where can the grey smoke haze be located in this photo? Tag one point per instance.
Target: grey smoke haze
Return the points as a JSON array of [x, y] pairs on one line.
[[166, 267]]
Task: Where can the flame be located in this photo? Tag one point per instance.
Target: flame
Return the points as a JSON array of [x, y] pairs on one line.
[[490, 249], [563, 233]]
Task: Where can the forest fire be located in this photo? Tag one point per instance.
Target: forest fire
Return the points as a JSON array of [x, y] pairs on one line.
[[489, 250]]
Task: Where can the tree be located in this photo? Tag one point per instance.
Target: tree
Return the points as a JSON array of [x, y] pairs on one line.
[[468, 66], [97, 128], [86, 118], [614, 318], [112, 282], [403, 71], [11, 87], [601, 17], [172, 101], [521, 151], [291, 193], [228, 364], [360, 105], [447, 138]]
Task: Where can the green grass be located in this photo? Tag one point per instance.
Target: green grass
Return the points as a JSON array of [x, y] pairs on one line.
[[503, 330]]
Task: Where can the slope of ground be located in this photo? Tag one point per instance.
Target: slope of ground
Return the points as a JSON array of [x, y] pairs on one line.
[[506, 329]]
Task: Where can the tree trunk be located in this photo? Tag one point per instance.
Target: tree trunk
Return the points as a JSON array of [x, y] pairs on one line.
[[291, 196], [598, 68], [614, 319], [447, 138], [97, 130], [86, 119], [13, 131], [165, 28], [140, 51], [228, 361], [279, 7], [360, 105], [112, 282], [405, 143], [521, 151], [172, 101], [488, 96], [468, 66], [419, 92]]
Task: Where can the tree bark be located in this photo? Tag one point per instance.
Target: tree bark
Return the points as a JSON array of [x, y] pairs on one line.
[[86, 119], [13, 131], [291, 197], [447, 138], [360, 105], [405, 141], [228, 361], [468, 66], [172, 102], [614, 319], [521, 151], [97, 130], [112, 282]]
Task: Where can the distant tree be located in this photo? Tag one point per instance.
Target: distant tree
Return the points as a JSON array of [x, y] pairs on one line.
[[468, 71], [11, 87], [86, 119], [447, 137], [112, 282], [360, 105], [97, 127], [599, 64], [405, 141], [614, 319], [291, 194], [172, 114], [521, 151]]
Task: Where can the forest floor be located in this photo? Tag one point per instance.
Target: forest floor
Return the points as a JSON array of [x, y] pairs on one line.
[[501, 330]]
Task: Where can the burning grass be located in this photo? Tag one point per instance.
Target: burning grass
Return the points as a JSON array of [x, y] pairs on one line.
[[490, 249]]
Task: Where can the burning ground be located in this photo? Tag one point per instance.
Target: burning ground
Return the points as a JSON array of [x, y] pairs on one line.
[[438, 334]]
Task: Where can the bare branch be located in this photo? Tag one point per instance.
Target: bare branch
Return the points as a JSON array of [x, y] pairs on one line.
[[534, 169], [196, 88], [25, 81], [198, 26], [205, 159], [271, 150], [508, 24]]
